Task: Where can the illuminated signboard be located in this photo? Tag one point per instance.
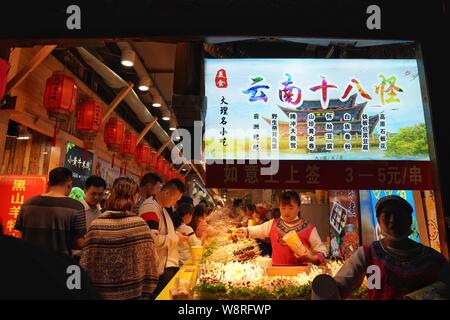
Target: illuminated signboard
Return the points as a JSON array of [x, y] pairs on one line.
[[314, 109]]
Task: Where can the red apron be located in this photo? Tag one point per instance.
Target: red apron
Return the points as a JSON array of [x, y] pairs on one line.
[[282, 255]]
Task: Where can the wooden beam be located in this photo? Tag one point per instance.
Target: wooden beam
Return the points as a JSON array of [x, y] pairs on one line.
[[146, 129], [187, 172], [29, 67], [113, 105], [181, 168], [163, 147]]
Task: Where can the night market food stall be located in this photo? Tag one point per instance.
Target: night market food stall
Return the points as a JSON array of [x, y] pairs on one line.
[[342, 133]]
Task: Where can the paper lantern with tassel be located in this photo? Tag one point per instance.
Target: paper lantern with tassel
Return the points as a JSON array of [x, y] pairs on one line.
[[89, 119], [114, 135], [128, 148], [60, 97], [143, 154]]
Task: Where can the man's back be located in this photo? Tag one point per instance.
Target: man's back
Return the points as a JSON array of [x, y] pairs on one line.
[[52, 222]]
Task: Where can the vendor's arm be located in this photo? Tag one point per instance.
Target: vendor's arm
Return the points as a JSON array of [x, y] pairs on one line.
[[351, 275], [261, 231], [318, 248]]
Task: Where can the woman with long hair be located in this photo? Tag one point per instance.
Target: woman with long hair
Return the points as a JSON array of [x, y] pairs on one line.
[[119, 253]]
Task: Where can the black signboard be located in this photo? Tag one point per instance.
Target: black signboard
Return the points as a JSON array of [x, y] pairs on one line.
[[80, 161]]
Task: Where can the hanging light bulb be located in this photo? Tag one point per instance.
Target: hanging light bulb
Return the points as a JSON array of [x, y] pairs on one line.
[[166, 115], [23, 133], [157, 101], [128, 57], [144, 84], [172, 124]]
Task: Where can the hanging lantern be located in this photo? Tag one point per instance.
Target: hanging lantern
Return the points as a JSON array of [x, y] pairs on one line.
[[114, 135], [143, 154], [60, 97], [4, 67], [128, 147], [153, 160], [89, 119], [161, 166]]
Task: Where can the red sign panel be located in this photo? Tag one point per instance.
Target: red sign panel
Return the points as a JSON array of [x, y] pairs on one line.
[[15, 190], [221, 79], [362, 175]]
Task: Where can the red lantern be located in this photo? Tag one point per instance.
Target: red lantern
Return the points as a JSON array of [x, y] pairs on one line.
[[128, 147], [89, 119], [4, 67], [160, 165], [153, 160], [143, 154], [114, 135], [60, 97]]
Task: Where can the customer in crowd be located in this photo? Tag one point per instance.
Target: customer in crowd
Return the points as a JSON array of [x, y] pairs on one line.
[[405, 265], [186, 211], [94, 190], [174, 215], [290, 220], [35, 273], [119, 253], [53, 220], [166, 238], [199, 224], [150, 184]]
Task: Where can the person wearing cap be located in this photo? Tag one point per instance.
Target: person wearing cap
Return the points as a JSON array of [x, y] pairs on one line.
[[405, 265]]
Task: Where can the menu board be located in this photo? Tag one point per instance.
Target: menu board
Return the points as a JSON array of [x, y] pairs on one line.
[[314, 109], [327, 123]]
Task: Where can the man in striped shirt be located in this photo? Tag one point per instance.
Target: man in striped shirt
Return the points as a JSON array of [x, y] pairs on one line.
[[166, 238], [53, 220]]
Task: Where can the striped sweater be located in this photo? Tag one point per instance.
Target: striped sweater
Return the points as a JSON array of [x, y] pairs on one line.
[[119, 256]]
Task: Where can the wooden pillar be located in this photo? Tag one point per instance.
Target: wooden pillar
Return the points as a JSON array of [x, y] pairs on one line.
[[57, 154]]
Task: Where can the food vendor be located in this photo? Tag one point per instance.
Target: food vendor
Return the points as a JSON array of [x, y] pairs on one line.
[[290, 220], [404, 265]]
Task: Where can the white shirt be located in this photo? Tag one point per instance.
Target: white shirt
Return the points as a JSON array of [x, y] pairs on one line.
[[161, 226], [184, 248], [91, 214]]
